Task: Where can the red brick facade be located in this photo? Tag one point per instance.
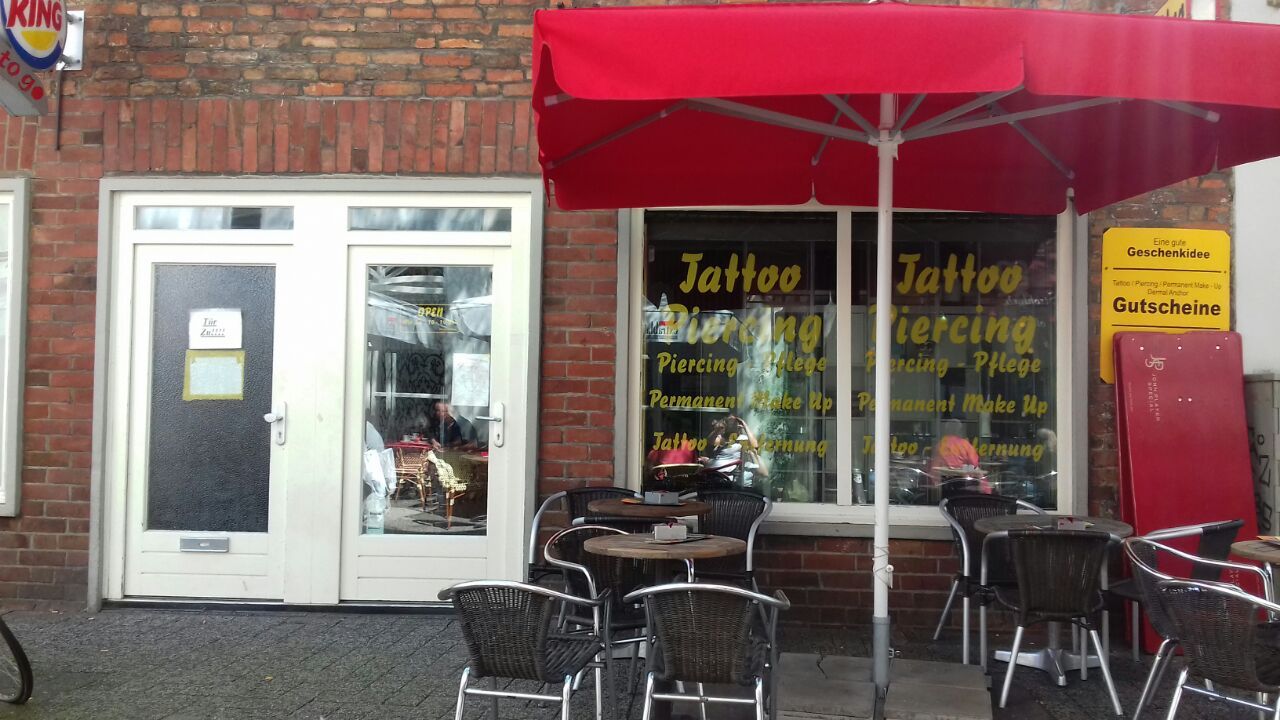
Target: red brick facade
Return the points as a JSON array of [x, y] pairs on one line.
[[388, 87]]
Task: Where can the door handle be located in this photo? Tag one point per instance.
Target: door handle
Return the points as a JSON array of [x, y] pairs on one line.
[[276, 419], [495, 429]]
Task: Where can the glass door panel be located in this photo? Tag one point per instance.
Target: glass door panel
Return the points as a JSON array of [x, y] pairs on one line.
[[427, 366]]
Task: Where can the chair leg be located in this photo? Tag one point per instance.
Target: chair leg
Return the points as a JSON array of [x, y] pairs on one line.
[[964, 629], [1177, 694], [1134, 618], [702, 704], [946, 610], [1105, 665], [599, 671], [759, 700], [982, 636], [1158, 665], [1013, 664], [566, 692], [462, 693], [1275, 715], [647, 713], [493, 701]]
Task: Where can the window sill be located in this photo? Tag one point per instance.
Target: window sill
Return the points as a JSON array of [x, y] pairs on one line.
[[922, 522]]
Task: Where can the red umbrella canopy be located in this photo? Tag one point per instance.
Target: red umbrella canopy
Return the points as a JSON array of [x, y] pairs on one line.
[[999, 110]]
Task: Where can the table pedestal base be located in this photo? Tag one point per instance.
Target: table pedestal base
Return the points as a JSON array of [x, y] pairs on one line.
[[1055, 661]]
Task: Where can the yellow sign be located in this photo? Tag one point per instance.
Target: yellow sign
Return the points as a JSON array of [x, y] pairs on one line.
[[1163, 280], [1173, 8], [213, 375]]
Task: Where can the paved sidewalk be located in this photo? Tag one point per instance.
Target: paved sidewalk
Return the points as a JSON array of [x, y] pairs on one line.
[[147, 664]]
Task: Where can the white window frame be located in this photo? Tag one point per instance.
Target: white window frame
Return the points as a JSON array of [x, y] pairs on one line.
[[14, 193], [843, 518]]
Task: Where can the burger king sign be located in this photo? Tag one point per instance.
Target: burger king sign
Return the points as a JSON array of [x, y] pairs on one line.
[[36, 29]]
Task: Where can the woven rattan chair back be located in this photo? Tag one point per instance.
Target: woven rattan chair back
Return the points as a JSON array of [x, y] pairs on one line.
[[1217, 627], [733, 514], [505, 630], [619, 575], [705, 636], [577, 499], [1145, 559], [1057, 572], [967, 510]]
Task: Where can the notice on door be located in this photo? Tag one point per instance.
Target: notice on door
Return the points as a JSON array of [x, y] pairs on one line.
[[214, 375], [1163, 280], [215, 329]]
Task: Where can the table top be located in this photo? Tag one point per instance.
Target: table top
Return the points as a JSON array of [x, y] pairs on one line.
[[1048, 522], [640, 546], [1259, 550], [615, 507]]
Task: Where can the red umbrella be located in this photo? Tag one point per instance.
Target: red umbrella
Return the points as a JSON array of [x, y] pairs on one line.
[[893, 105]]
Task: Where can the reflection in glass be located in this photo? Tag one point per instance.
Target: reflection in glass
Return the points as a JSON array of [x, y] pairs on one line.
[[430, 219], [425, 465], [171, 217], [739, 367], [974, 377]]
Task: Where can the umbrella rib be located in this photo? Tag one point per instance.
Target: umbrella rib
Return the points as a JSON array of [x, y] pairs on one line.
[[852, 114], [958, 111], [916, 134], [906, 115], [600, 142], [826, 140], [1035, 143], [1190, 109], [770, 117]]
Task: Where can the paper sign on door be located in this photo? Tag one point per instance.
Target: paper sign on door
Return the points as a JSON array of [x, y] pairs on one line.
[[214, 375], [215, 329]]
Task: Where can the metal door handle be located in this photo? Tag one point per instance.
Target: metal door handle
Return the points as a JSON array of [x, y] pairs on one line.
[[495, 433], [276, 418]]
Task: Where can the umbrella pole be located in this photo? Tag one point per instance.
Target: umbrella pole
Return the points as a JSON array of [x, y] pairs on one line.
[[882, 571]]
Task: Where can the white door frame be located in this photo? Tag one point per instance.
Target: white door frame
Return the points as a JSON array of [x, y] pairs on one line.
[[106, 547]]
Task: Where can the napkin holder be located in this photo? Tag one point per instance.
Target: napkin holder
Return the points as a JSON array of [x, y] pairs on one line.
[[675, 531], [661, 497], [1070, 523]]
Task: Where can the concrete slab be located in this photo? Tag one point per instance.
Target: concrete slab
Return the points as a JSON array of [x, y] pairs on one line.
[[922, 690], [807, 692]]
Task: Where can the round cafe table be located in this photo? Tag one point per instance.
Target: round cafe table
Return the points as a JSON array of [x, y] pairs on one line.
[[616, 507], [641, 546], [1055, 660], [1263, 551]]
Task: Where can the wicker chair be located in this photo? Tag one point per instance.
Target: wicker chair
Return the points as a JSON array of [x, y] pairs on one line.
[[712, 634], [1145, 556], [1218, 628], [736, 514], [962, 513], [507, 627], [1059, 580], [574, 503], [1214, 544]]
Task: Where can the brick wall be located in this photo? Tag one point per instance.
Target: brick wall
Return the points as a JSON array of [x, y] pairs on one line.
[[391, 87]]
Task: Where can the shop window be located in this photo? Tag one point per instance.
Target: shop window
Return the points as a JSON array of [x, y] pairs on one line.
[[739, 369], [739, 353], [13, 226], [212, 217]]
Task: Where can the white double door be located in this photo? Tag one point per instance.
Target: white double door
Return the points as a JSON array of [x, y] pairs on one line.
[[278, 365]]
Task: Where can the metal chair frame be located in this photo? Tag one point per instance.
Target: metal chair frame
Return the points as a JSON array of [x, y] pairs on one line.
[[534, 569], [971, 584], [1210, 688], [1169, 643], [765, 694], [1183, 531], [1099, 646], [602, 666]]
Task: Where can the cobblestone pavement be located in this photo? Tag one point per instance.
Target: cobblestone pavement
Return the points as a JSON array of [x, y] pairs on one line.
[[142, 664]]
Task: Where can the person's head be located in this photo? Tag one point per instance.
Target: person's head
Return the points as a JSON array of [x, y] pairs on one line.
[[951, 426], [733, 426], [442, 411]]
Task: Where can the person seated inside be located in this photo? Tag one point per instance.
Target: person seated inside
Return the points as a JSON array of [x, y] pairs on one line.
[[449, 432], [734, 452], [953, 452]]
